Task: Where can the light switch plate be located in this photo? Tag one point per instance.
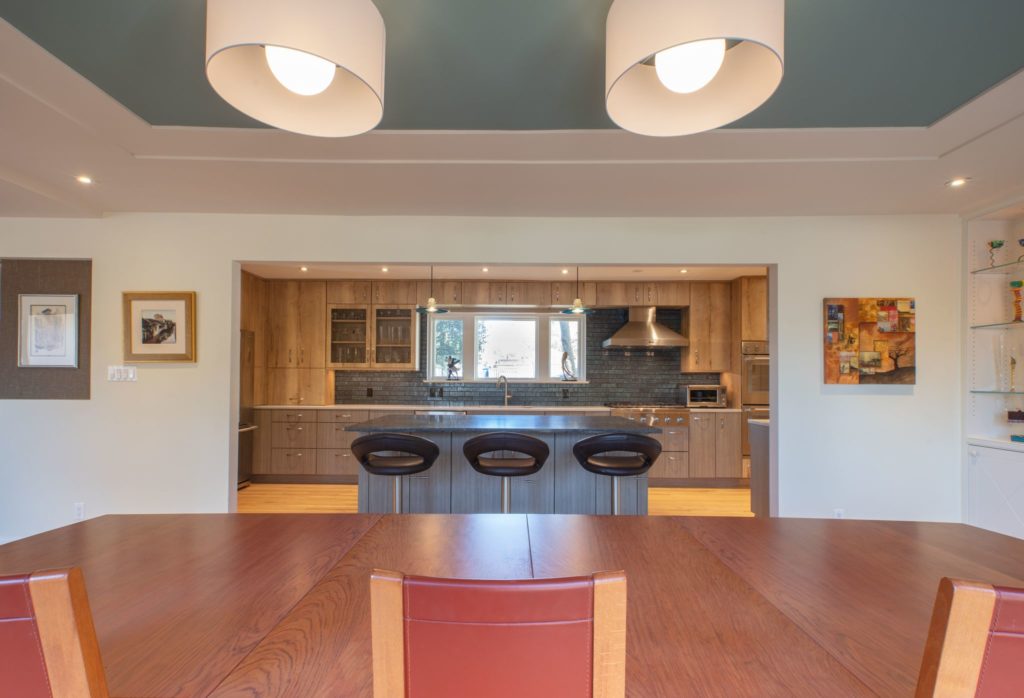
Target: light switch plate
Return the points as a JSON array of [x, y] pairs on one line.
[[122, 374]]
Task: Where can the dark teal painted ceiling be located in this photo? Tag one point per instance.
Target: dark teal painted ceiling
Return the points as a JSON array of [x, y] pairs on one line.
[[539, 64]]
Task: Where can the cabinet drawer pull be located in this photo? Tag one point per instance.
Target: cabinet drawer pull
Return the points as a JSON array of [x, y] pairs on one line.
[[296, 455]]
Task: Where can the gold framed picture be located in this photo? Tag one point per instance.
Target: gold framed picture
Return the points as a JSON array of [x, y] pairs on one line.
[[159, 326]]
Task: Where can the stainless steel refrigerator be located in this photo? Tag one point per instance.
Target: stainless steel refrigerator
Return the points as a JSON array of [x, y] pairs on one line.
[[246, 413]]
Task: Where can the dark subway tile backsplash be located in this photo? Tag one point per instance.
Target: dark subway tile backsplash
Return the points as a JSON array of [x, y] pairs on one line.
[[613, 375]]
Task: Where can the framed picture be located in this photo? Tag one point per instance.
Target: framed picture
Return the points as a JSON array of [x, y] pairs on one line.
[[47, 331], [159, 326], [870, 341]]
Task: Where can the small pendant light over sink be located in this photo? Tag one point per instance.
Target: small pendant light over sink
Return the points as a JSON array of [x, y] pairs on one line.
[[308, 66], [676, 67], [431, 308], [577, 305]]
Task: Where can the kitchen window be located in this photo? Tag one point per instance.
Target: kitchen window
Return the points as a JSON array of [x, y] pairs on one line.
[[523, 347]]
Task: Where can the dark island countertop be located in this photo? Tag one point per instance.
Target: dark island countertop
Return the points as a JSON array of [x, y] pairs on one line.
[[470, 423]]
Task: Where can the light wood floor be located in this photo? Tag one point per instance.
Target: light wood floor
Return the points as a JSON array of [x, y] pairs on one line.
[[341, 499]]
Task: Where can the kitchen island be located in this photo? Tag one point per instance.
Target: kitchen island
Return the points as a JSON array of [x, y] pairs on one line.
[[452, 486]]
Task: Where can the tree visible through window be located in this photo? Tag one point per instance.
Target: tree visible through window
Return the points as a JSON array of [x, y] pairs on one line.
[[520, 346]]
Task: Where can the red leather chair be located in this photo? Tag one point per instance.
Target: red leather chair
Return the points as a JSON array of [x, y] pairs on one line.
[[47, 640], [975, 645], [536, 638]]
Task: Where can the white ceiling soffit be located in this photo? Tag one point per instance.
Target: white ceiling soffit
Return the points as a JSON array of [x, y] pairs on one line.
[[497, 272], [58, 125]]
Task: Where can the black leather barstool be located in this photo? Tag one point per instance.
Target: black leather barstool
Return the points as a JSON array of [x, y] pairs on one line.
[[532, 454], [617, 456], [395, 455]]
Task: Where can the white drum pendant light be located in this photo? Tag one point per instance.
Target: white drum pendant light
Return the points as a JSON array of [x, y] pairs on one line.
[[309, 66], [676, 67]]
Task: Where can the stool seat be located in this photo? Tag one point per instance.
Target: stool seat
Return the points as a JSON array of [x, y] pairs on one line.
[[506, 467], [395, 465], [616, 466]]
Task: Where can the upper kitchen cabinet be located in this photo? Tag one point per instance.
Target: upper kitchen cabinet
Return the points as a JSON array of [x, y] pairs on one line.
[[750, 294], [526, 293], [393, 293], [445, 292], [673, 294], [615, 294], [348, 330], [395, 338], [563, 293], [710, 328], [532, 293], [348, 292], [295, 324]]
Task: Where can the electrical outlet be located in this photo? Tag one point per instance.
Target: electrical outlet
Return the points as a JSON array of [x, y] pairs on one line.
[[440, 392], [433, 392], [565, 393], [369, 392], [79, 511], [838, 513]]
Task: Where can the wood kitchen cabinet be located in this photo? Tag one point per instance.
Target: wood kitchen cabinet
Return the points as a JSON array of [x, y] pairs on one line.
[[612, 294], [395, 338], [715, 445], [483, 292], [349, 292], [296, 386], [531, 293], [673, 294], [295, 324], [446, 292], [393, 292], [710, 328], [348, 334], [728, 444], [750, 294], [703, 444]]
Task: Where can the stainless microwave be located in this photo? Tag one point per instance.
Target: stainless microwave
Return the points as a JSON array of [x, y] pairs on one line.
[[705, 396]]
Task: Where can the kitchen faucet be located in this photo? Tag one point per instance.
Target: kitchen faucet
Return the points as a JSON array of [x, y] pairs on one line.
[[503, 379]]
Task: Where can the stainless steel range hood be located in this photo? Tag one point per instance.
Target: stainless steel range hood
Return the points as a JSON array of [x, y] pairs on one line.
[[643, 330]]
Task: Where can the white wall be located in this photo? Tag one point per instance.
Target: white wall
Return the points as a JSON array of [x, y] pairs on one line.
[[163, 444]]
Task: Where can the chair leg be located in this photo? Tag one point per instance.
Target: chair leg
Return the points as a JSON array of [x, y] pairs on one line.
[[616, 496], [396, 495], [506, 495]]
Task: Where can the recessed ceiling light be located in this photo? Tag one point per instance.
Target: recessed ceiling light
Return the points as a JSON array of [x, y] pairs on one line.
[[83, 179], [958, 182], [303, 268], [384, 269], [565, 271], [485, 269], [684, 271]]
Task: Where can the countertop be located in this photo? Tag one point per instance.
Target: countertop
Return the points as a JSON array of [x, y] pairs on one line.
[[484, 423], [484, 408], [442, 407], [758, 422]]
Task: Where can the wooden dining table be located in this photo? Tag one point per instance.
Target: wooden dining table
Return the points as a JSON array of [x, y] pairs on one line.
[[278, 604]]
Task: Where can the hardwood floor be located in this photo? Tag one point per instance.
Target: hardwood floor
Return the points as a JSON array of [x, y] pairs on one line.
[[341, 499]]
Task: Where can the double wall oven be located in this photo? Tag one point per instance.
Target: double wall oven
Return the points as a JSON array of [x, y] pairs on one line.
[[754, 386]]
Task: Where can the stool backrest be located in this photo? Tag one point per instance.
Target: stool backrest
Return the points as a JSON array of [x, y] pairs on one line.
[[506, 441], [975, 645], [402, 443], [647, 447], [47, 640], [502, 639]]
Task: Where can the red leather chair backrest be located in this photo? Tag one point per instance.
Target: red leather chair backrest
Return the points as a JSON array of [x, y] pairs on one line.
[[48, 645], [438, 638], [1002, 667], [22, 669], [975, 644]]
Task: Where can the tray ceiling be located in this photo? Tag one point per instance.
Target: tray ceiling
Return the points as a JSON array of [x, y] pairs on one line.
[[538, 64]]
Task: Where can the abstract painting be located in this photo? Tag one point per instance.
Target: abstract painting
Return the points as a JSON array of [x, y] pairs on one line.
[[870, 341]]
